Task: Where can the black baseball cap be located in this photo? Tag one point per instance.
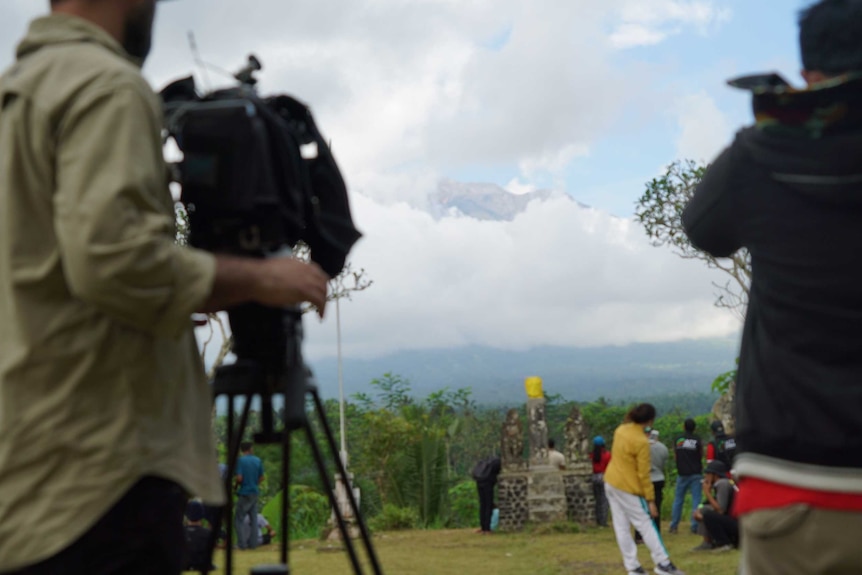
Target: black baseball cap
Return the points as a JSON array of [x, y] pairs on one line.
[[716, 467], [195, 511]]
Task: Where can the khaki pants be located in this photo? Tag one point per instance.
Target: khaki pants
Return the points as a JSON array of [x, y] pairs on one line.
[[800, 540]]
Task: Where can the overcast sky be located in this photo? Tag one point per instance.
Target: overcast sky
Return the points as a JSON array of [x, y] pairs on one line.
[[588, 97]]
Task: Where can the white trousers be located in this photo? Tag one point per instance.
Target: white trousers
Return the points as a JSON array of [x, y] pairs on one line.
[[631, 510]]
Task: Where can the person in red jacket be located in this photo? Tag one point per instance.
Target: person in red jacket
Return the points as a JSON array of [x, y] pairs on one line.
[[601, 458], [722, 447]]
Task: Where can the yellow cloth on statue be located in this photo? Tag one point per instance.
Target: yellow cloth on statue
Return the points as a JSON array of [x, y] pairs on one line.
[[534, 387]]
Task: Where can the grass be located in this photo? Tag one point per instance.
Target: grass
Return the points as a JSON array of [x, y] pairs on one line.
[[444, 552]]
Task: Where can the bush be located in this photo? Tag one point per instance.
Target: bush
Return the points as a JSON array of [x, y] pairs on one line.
[[394, 518], [309, 512], [463, 506], [369, 497]]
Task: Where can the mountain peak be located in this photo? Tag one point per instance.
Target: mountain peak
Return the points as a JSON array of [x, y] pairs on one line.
[[483, 201]]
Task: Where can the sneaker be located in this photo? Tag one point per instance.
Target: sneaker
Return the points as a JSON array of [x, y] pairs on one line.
[[723, 548], [705, 546], [694, 529], [673, 530], [638, 571], [668, 569]]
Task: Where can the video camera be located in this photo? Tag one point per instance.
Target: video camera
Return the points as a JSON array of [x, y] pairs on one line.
[[256, 173], [257, 177]]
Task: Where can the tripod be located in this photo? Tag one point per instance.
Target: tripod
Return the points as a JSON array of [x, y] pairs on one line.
[[268, 345]]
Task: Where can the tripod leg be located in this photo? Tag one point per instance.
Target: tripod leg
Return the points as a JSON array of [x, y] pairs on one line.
[[228, 506], [233, 441], [327, 485], [285, 497], [333, 449]]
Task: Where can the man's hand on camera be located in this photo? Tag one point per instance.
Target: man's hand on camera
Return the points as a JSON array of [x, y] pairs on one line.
[[283, 282], [274, 282]]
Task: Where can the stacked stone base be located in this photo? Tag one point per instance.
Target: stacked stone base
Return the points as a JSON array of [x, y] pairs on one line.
[[580, 501], [512, 501], [545, 496]]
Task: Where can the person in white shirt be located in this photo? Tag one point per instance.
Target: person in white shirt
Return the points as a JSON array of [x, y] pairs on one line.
[[555, 458]]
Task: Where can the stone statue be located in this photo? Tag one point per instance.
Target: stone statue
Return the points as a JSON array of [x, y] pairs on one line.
[[578, 444], [538, 431], [723, 409], [512, 448]]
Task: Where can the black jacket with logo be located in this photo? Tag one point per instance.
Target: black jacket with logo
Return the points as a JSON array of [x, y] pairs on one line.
[[790, 191], [688, 451], [723, 448]]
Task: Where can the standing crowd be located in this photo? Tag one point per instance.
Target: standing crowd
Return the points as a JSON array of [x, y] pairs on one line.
[[634, 482], [629, 480]]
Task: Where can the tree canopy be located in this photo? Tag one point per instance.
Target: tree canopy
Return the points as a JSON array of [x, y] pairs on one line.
[[660, 209]]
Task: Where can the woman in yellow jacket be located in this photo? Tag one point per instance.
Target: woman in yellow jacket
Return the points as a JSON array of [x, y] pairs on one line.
[[631, 495]]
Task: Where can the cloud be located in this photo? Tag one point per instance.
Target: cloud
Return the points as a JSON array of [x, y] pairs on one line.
[[704, 130], [554, 162], [424, 88], [515, 186], [414, 90], [649, 22], [558, 274], [629, 35], [410, 91]]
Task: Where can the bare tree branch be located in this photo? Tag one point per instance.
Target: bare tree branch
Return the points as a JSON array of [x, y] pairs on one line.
[[660, 209], [343, 286]]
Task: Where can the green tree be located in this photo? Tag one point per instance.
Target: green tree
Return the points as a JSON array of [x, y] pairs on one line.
[[478, 436], [308, 512], [603, 418], [660, 209], [386, 435], [722, 383], [426, 475], [463, 505], [405, 445]]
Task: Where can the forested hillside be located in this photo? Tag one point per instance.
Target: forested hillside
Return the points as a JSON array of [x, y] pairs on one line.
[[496, 376]]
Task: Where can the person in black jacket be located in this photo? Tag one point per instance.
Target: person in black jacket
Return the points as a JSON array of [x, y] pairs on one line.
[[722, 447], [485, 474], [688, 453], [197, 539], [789, 190]]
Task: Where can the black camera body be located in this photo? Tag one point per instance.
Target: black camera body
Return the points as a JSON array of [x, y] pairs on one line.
[[256, 174], [257, 177]]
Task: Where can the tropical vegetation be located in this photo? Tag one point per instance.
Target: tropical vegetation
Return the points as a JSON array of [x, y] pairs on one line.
[[411, 457]]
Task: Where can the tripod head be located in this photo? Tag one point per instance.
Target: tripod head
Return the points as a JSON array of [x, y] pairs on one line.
[[246, 75], [268, 346]]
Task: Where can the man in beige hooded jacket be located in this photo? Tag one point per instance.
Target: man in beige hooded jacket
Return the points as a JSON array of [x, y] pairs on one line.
[[104, 408]]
